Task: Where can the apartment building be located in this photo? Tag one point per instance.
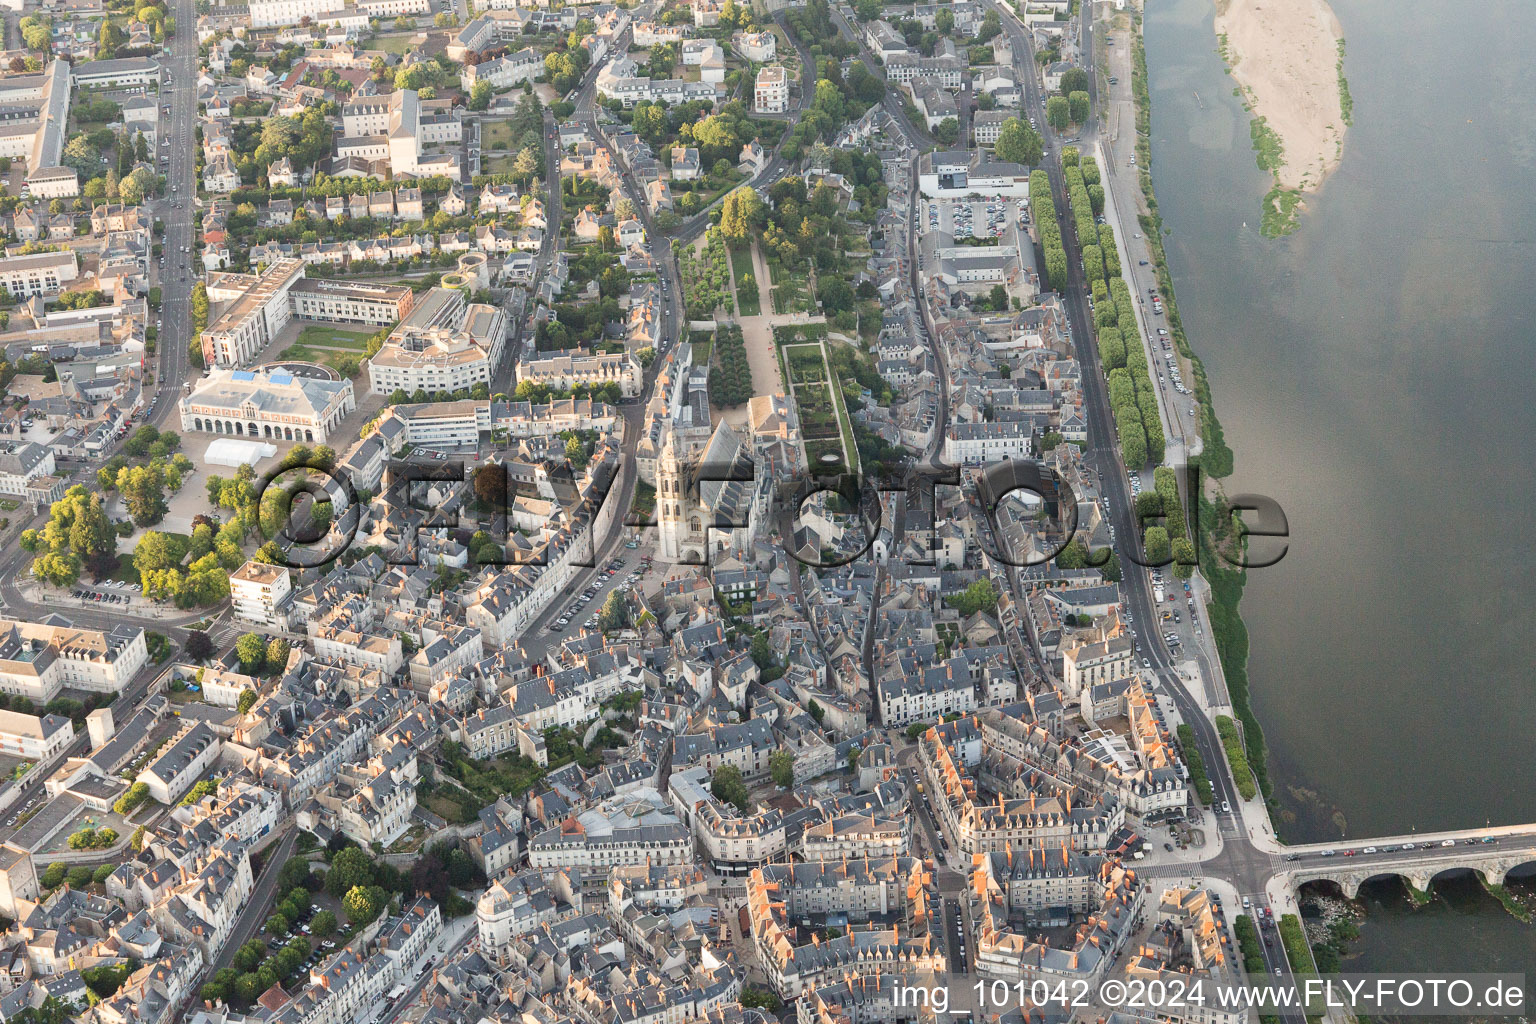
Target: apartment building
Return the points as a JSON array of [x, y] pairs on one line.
[[974, 444], [520, 904], [393, 8], [771, 92], [592, 850], [1087, 665], [581, 367], [36, 106], [351, 302], [34, 737], [655, 33], [945, 72], [37, 661], [26, 466], [270, 13], [254, 318], [116, 74], [444, 344], [412, 134], [756, 46], [181, 763], [988, 125], [259, 592], [507, 71]]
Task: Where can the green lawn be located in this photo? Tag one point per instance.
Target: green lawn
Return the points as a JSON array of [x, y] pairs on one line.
[[327, 356], [126, 573], [396, 43], [333, 337], [814, 450], [805, 364], [496, 153], [747, 301], [495, 135]]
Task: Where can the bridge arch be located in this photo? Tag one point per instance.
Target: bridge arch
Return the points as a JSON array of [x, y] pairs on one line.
[[1523, 867]]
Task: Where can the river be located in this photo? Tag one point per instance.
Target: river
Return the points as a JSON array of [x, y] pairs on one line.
[[1375, 374]]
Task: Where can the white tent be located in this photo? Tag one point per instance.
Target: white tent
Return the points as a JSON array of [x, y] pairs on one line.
[[230, 451]]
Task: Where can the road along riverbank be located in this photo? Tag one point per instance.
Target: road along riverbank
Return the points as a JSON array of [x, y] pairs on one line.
[[1215, 459]]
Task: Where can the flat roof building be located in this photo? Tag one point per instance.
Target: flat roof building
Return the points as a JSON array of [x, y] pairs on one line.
[[43, 273], [270, 405], [771, 95], [254, 318], [445, 344], [350, 302]]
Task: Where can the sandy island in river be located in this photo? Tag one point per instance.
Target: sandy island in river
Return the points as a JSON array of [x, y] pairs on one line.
[[1285, 54]]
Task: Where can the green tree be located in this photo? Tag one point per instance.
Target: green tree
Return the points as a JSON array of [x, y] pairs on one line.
[[781, 768], [946, 132], [277, 655], [323, 923], [37, 36], [1156, 545], [762, 652], [980, 596], [727, 785], [129, 801], [1058, 113], [363, 904], [1133, 447], [251, 649], [741, 216], [143, 491], [246, 701], [526, 165], [248, 987], [1182, 550], [350, 869], [1073, 80], [1073, 556], [1077, 107], [615, 613], [1018, 143], [199, 645]]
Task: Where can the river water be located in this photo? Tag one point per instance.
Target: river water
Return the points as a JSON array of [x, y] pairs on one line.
[[1376, 374]]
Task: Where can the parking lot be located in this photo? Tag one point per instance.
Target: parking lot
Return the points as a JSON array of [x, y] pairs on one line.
[[107, 592], [974, 218], [621, 573]]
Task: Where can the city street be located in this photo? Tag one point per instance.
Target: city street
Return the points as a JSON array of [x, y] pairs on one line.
[[177, 210]]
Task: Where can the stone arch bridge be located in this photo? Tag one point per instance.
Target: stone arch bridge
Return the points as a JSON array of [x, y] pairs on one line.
[[1490, 853]]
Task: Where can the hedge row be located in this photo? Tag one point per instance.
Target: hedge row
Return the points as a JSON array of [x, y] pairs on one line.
[[1232, 743]]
